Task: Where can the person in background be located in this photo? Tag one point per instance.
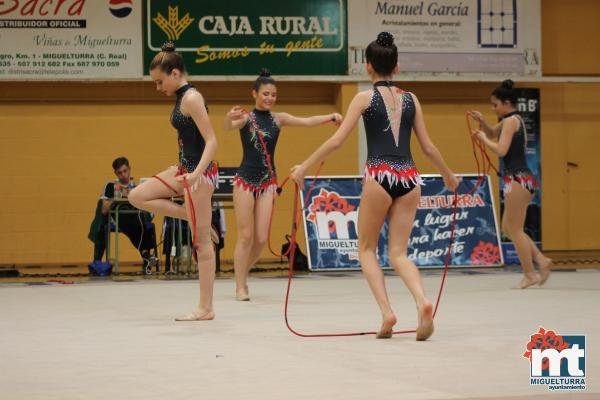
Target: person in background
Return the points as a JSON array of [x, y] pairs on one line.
[[508, 139], [255, 183], [137, 227]]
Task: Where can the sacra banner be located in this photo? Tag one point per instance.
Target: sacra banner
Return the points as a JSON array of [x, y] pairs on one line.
[[70, 39]]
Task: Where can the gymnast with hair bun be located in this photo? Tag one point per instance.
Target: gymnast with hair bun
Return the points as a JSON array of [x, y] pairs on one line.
[[391, 184], [195, 177], [255, 183], [519, 184]]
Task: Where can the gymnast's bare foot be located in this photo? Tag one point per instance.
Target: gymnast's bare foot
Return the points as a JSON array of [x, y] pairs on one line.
[[545, 266], [242, 294], [387, 326], [198, 314], [529, 279], [425, 327]]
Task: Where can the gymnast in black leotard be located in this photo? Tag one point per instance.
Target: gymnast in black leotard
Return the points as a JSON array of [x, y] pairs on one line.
[[196, 171], [191, 142], [255, 183], [515, 164], [256, 173], [391, 188], [511, 135], [389, 161]]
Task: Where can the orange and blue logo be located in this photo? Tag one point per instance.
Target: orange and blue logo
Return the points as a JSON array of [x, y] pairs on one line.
[[333, 214], [120, 8], [557, 361]]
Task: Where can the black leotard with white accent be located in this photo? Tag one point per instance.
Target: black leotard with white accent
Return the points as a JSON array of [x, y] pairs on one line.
[[515, 162], [191, 143], [254, 174], [389, 160], [514, 159]]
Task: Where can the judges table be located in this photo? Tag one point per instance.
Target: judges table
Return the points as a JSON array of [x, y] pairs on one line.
[[222, 198], [119, 206]]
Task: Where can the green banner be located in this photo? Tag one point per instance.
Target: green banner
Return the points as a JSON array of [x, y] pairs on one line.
[[306, 37]]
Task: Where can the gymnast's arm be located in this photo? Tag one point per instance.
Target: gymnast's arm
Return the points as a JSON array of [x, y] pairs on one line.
[[356, 108]]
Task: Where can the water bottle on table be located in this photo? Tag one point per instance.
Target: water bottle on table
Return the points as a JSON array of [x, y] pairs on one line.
[[118, 193]]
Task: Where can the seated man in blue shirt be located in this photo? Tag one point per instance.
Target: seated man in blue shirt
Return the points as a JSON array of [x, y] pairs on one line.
[[137, 227]]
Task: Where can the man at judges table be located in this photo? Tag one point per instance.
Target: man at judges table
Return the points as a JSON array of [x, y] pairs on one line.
[[137, 226]]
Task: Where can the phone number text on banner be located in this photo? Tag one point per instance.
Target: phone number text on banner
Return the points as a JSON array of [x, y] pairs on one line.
[[331, 225], [70, 39]]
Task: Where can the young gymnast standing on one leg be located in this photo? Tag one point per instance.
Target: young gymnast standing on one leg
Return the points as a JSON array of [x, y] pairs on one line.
[[511, 144], [391, 182], [255, 183], [196, 170]]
